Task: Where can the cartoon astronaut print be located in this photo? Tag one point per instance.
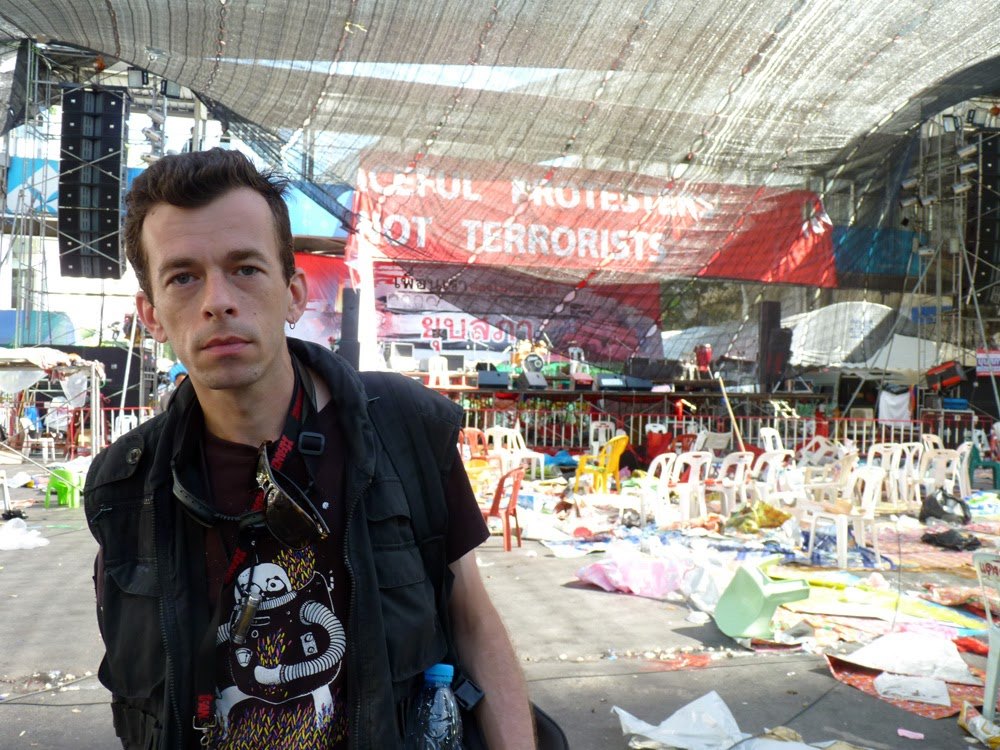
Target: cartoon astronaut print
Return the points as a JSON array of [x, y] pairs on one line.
[[293, 647]]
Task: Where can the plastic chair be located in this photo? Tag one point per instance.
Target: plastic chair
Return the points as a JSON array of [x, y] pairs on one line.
[[987, 565], [747, 605], [603, 467], [861, 516], [508, 512], [731, 480], [601, 431], [66, 485], [687, 481], [770, 440], [976, 461], [509, 442]]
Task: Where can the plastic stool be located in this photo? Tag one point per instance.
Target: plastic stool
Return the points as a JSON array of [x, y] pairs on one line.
[[747, 605], [66, 485]]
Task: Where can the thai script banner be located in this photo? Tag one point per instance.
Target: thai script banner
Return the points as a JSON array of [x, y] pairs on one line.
[[987, 362]]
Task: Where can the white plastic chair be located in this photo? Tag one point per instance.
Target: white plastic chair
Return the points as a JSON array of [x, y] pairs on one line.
[[731, 480], [931, 441], [770, 440], [691, 491], [940, 471], [909, 474], [987, 565], [437, 372], [964, 459], [510, 442], [601, 431], [861, 516], [764, 477]]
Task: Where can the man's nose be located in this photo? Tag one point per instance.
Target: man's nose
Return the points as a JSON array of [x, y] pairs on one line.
[[218, 298]]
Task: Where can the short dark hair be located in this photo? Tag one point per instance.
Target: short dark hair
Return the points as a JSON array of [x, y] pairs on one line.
[[194, 180]]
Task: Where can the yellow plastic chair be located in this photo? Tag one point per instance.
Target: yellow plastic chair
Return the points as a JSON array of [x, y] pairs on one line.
[[987, 565], [603, 467], [66, 485], [747, 605]]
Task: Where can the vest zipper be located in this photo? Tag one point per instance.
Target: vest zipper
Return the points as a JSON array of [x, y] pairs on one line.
[[164, 613], [353, 733]]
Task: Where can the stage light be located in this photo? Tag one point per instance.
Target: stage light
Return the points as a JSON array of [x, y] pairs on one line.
[[907, 201], [976, 117], [909, 183], [966, 151], [157, 116], [951, 123], [928, 200], [137, 78], [967, 167], [963, 186]]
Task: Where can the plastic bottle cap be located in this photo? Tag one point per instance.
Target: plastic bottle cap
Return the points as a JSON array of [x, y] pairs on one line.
[[440, 673]]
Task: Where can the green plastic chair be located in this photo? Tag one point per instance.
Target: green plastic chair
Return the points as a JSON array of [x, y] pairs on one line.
[[747, 605], [976, 461], [66, 485]]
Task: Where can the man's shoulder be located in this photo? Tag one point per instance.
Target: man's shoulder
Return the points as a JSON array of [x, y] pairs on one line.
[[410, 393], [124, 457]]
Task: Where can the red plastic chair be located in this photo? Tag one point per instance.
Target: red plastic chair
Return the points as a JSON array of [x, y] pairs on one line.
[[510, 481]]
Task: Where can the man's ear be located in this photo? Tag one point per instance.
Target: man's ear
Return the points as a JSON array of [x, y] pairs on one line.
[[147, 314], [298, 296]]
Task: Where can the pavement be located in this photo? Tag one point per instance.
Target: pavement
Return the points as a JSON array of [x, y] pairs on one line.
[[583, 651]]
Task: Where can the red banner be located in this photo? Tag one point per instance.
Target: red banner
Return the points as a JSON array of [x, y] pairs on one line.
[[573, 224]]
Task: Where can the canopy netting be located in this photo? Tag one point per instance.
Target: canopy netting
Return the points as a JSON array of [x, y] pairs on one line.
[[593, 171]]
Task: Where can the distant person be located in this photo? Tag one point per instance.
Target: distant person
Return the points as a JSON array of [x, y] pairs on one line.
[[177, 375], [271, 573]]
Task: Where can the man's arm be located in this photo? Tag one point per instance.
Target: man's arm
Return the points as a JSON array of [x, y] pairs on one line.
[[485, 651]]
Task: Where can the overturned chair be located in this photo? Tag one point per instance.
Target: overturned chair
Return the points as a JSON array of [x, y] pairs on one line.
[[747, 605]]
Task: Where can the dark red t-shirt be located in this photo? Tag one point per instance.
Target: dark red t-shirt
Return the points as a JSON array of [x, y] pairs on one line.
[[283, 687]]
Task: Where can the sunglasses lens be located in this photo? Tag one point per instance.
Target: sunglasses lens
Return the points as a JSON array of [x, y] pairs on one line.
[[289, 524], [286, 519]]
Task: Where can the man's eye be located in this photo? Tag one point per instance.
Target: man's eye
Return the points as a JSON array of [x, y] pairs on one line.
[[247, 270], [180, 279]]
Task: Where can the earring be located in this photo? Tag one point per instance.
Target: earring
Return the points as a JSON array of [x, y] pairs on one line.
[[292, 325]]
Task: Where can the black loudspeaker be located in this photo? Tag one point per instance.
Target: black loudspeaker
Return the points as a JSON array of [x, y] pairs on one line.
[[90, 182], [609, 382], [775, 357], [770, 321], [350, 347], [493, 379], [529, 379], [481, 366], [632, 383]]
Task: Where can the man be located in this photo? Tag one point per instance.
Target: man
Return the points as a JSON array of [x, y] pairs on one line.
[[259, 582]]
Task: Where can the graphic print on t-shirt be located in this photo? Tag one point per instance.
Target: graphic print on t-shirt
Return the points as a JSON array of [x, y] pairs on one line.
[[280, 683]]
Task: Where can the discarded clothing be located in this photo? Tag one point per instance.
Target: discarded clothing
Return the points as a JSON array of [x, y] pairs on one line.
[[952, 539]]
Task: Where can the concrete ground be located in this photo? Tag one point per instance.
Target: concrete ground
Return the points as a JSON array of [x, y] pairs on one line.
[[583, 651]]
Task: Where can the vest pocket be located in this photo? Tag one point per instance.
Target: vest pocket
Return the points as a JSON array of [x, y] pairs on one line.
[[413, 634], [131, 607]]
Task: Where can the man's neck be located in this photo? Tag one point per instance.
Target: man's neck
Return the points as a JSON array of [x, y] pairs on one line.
[[247, 416]]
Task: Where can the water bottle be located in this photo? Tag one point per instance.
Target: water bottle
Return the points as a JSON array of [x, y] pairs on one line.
[[435, 723]]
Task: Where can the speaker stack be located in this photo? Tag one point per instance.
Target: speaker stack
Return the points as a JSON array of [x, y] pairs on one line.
[[983, 225], [774, 345], [90, 181]]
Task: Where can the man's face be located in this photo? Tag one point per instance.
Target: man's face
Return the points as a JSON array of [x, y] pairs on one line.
[[221, 299]]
